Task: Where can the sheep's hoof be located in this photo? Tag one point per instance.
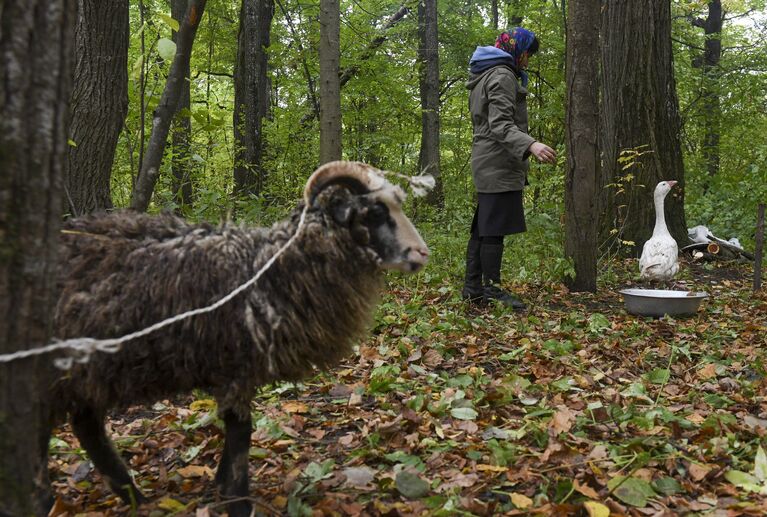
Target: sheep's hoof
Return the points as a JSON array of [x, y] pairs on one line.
[[132, 495], [239, 509]]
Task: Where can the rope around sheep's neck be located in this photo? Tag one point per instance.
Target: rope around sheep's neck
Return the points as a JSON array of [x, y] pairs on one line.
[[86, 346]]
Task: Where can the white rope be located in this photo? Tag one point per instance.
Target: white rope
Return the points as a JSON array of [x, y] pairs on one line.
[[86, 346]]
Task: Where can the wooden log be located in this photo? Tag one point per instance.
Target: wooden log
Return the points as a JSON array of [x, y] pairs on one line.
[[759, 248]]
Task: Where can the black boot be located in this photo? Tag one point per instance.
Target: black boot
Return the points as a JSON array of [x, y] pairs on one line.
[[472, 285], [491, 257]]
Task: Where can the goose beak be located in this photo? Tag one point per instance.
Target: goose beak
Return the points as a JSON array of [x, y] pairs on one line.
[[671, 183]]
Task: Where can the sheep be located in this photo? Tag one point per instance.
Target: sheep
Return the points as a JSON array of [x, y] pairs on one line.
[[125, 271]]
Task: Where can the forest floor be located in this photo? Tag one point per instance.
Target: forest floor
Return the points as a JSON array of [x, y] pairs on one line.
[[571, 408]]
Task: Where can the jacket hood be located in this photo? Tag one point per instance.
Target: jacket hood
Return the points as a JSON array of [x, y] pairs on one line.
[[485, 58]]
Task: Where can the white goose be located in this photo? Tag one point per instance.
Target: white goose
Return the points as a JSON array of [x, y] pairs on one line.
[[660, 255]]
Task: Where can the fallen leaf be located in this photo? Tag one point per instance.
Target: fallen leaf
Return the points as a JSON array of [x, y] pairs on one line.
[[491, 468], [595, 509], [431, 358], [633, 491], [521, 501], [411, 485], [170, 504], [562, 421], [585, 490], [359, 477], [195, 471], [698, 471], [293, 406], [707, 372], [203, 405]]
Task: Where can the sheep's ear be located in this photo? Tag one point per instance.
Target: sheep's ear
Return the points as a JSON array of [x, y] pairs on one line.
[[357, 177]]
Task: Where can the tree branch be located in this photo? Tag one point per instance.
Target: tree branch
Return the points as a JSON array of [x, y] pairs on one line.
[[163, 114], [210, 72], [351, 71], [309, 81], [690, 45]]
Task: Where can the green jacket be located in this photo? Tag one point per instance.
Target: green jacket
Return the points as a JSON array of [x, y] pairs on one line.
[[499, 151]]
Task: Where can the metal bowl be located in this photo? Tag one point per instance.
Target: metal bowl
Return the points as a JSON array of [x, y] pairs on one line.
[[659, 302]]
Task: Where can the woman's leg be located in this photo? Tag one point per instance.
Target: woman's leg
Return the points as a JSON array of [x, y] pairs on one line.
[[491, 257], [472, 284]]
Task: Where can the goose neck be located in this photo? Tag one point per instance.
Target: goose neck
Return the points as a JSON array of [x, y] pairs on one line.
[[660, 218]]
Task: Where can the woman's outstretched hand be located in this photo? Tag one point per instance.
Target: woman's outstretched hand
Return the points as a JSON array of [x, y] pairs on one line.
[[543, 152]]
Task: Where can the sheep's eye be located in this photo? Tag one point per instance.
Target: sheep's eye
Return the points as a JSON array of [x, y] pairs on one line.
[[377, 214]]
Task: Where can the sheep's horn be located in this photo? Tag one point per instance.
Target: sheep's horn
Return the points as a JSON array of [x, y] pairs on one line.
[[358, 177]]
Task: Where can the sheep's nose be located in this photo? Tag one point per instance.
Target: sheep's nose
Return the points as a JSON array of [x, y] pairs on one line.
[[422, 254]]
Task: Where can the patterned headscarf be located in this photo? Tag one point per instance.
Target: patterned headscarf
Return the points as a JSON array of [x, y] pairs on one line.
[[515, 43]]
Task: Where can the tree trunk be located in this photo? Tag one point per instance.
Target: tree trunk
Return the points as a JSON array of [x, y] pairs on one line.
[[709, 62], [36, 52], [181, 164], [163, 114], [99, 103], [494, 13], [582, 132], [330, 87], [759, 248], [428, 68], [142, 95], [251, 94], [639, 108]]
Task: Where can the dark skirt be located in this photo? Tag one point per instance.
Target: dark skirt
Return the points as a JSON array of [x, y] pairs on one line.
[[498, 214]]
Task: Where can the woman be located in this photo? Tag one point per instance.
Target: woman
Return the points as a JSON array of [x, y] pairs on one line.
[[501, 146]]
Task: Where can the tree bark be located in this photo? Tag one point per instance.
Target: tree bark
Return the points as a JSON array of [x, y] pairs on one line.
[[709, 63], [251, 94], [36, 51], [759, 248], [330, 87], [181, 140], [494, 13], [639, 108], [428, 68], [582, 133], [99, 104], [163, 114]]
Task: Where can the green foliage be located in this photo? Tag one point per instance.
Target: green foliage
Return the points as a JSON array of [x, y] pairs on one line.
[[381, 116]]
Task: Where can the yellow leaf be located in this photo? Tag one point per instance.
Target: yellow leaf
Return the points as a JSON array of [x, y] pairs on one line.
[[707, 371], [195, 471], [521, 501], [596, 509], [491, 468], [171, 505], [203, 405], [295, 407], [280, 502]]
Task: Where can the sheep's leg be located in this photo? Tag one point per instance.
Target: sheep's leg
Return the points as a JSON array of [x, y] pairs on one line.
[[232, 474], [44, 492], [89, 429]]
